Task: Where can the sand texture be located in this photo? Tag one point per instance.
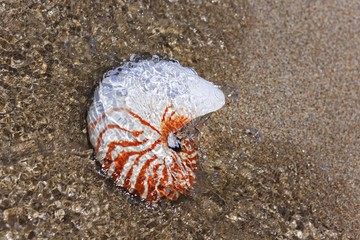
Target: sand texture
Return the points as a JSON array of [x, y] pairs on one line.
[[279, 161]]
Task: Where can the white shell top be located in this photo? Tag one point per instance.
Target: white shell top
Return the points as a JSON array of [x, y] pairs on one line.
[[135, 108]]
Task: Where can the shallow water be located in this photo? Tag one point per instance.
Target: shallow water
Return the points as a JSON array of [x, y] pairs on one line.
[[279, 161]]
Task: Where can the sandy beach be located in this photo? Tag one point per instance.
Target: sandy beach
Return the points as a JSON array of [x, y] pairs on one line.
[[279, 161]]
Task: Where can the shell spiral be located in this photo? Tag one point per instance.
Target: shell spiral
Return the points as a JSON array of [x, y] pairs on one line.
[[136, 108]]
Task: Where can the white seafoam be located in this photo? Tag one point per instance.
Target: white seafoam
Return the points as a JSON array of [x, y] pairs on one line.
[[147, 88]]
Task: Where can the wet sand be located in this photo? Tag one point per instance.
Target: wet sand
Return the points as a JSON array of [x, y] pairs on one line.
[[279, 161]]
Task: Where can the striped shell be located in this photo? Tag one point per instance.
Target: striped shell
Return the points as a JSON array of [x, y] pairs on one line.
[[137, 109]]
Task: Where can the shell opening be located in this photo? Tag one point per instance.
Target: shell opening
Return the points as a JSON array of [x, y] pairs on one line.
[[173, 142]]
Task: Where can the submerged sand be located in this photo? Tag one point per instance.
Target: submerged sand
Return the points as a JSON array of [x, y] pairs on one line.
[[279, 161]]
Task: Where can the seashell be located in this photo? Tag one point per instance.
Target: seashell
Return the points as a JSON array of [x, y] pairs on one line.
[[135, 125]]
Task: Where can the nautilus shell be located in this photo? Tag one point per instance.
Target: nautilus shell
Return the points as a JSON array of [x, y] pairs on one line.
[[134, 121]]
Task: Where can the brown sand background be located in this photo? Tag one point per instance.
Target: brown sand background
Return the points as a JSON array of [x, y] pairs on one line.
[[279, 161]]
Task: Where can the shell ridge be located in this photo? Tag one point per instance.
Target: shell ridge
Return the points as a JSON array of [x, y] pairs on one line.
[[92, 126]]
